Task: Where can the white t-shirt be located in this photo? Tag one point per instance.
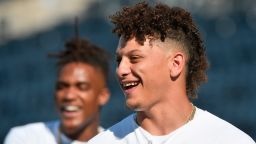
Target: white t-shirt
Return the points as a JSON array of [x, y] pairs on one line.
[[205, 128], [39, 133]]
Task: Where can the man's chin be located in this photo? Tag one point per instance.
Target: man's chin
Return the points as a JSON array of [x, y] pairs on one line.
[[133, 106], [69, 127]]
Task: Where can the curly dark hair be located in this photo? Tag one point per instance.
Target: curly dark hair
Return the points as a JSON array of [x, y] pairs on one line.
[[81, 50], [161, 22]]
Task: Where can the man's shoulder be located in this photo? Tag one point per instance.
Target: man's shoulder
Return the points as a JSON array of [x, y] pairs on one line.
[[36, 126], [214, 122], [116, 132], [28, 127], [219, 129], [30, 131]]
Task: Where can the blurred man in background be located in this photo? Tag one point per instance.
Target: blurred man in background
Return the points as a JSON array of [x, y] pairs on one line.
[[81, 90], [161, 62]]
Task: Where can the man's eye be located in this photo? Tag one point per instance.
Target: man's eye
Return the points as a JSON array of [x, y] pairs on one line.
[[60, 86], [83, 87], [135, 58]]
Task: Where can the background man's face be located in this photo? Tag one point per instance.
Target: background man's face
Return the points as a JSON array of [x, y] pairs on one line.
[[78, 91]]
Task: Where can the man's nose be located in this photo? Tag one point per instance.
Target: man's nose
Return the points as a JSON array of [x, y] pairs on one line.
[[123, 68], [70, 93]]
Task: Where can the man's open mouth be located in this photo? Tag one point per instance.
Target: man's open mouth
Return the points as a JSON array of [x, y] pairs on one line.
[[70, 108], [128, 85]]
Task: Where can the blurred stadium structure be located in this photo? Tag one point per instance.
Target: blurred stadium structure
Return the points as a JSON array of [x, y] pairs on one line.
[[29, 29], [19, 18]]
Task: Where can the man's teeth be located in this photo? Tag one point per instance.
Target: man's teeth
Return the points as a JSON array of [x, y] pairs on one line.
[[130, 84], [71, 108]]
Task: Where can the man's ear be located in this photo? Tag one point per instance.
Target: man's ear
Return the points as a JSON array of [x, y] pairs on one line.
[[104, 96], [176, 64]]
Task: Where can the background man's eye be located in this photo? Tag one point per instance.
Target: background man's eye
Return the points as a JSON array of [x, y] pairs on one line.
[[60, 86], [83, 87]]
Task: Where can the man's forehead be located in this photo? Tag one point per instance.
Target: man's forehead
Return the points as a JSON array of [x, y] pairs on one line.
[[131, 44]]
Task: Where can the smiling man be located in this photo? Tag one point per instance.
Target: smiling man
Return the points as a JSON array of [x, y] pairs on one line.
[[161, 62], [81, 90]]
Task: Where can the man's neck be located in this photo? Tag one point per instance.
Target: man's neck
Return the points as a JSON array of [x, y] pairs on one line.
[[83, 134], [164, 118]]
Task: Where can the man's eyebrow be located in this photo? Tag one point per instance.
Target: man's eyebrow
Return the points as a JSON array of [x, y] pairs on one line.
[[132, 51], [129, 52], [82, 82]]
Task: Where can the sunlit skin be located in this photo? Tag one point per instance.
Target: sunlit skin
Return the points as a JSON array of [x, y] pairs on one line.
[[80, 91], [153, 80]]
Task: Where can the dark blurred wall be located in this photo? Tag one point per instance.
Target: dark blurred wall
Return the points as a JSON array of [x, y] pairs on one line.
[[27, 75]]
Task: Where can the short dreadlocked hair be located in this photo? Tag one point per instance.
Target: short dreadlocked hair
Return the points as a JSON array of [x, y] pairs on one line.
[[161, 22], [81, 50]]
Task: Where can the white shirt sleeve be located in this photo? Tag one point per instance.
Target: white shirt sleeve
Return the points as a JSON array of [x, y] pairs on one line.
[[16, 136], [33, 133]]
